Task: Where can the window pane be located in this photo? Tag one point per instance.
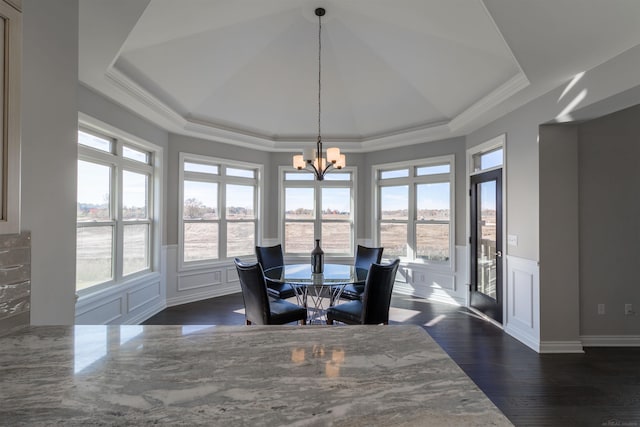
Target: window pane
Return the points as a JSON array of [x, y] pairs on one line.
[[337, 176], [93, 141], [433, 201], [432, 241], [241, 238], [200, 167], [200, 200], [491, 159], [488, 160], [242, 173], [200, 241], [393, 238], [432, 170], [135, 248], [240, 201], [399, 173], [133, 154], [336, 237], [302, 176], [394, 202], [299, 203], [298, 237], [94, 191], [134, 195], [336, 203], [93, 255]]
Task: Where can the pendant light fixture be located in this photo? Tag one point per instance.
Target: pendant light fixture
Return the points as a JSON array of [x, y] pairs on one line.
[[312, 159]]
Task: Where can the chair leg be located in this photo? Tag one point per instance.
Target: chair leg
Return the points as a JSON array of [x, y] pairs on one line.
[[329, 321], [303, 321]]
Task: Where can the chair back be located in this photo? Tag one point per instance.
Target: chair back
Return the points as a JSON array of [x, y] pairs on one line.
[[254, 292], [269, 256], [377, 293], [366, 256]]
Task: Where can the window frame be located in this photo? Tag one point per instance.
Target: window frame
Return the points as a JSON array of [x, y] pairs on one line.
[[317, 221], [412, 181], [222, 180], [118, 165]]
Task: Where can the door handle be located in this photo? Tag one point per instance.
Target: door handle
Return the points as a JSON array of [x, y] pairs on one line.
[[499, 254]]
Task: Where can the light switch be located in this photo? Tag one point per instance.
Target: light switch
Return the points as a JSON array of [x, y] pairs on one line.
[[512, 240]]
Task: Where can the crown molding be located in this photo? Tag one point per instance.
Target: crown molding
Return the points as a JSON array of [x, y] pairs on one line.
[[173, 121], [123, 82], [493, 99]]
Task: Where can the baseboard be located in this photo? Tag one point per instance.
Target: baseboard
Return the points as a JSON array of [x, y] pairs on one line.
[[610, 340], [561, 347], [523, 337], [141, 317], [212, 293]]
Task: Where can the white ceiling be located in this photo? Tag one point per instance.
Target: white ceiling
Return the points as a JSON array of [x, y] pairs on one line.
[[394, 72]]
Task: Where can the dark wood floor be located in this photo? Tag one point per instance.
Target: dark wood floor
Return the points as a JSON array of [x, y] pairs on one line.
[[598, 388]]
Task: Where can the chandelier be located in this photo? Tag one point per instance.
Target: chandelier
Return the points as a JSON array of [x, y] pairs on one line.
[[312, 159]]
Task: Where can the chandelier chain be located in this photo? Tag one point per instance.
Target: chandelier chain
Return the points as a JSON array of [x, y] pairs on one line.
[[319, 71]]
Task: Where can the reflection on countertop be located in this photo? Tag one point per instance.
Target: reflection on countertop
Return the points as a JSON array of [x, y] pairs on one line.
[[235, 375]]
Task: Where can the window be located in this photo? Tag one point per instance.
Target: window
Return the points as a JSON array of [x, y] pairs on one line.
[[322, 210], [414, 207], [114, 209], [486, 160], [219, 209]]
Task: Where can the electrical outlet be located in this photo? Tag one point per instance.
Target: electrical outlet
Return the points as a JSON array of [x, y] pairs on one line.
[[600, 308], [628, 310]]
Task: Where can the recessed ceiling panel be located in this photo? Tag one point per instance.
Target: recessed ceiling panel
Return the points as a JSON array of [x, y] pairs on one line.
[[252, 66]]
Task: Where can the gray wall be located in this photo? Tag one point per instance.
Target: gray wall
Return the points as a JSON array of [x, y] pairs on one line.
[[49, 154], [609, 216], [559, 253]]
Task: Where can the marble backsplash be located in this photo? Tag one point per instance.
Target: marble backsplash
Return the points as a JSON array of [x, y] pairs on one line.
[[15, 281]]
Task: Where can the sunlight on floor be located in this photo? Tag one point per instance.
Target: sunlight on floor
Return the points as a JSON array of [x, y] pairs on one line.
[[435, 320], [401, 314]]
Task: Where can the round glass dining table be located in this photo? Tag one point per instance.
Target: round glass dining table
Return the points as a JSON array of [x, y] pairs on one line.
[[317, 291]]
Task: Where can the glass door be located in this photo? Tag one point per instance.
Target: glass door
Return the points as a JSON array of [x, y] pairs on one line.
[[486, 243]]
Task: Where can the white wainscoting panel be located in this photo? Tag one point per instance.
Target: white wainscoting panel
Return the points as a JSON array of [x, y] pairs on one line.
[[189, 281], [196, 284], [127, 303], [137, 298], [433, 283], [522, 320], [101, 312]]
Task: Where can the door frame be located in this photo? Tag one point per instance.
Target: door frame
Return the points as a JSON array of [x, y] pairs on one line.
[[499, 141]]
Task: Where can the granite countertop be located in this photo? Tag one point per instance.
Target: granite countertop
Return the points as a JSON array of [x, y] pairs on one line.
[[235, 375]]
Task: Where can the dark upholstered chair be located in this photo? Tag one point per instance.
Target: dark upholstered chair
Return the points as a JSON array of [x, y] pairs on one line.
[[259, 310], [269, 257], [364, 258], [373, 309]]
